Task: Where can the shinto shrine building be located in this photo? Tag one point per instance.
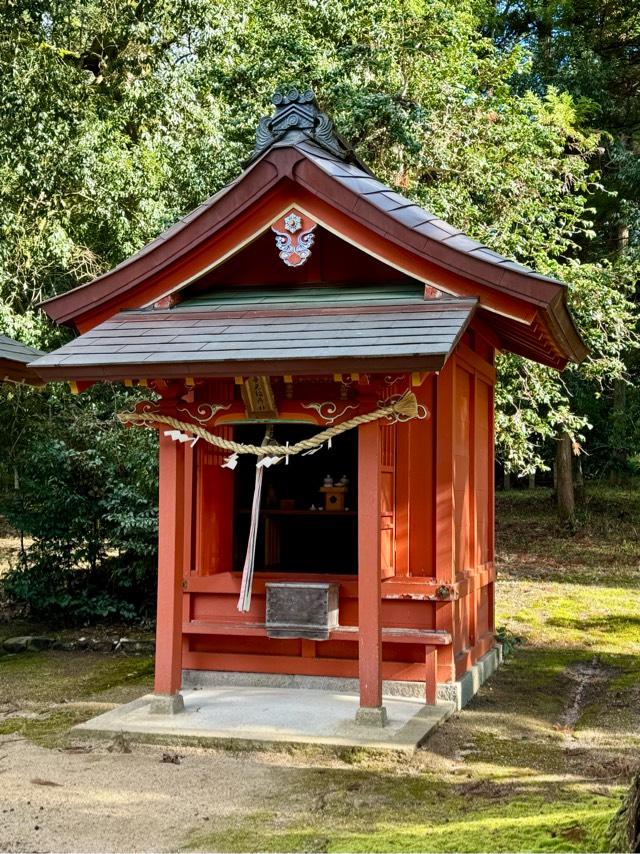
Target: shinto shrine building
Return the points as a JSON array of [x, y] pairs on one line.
[[304, 296], [14, 362]]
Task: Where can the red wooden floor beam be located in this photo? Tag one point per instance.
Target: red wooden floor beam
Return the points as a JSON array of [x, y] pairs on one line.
[[371, 711], [171, 538]]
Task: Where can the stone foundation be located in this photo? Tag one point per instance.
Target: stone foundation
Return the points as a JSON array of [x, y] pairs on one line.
[[459, 692]]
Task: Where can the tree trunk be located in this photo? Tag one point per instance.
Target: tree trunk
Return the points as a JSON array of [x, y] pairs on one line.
[[565, 496], [578, 480], [624, 830], [532, 480], [619, 452], [506, 482], [622, 238]]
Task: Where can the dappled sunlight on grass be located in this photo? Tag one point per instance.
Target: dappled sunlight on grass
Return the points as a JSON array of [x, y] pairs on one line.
[[603, 550]]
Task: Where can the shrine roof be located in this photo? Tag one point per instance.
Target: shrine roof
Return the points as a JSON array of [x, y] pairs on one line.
[[14, 359], [299, 155], [301, 330]]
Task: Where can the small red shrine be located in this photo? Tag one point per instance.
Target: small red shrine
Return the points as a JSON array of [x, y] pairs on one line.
[[14, 362], [305, 296]]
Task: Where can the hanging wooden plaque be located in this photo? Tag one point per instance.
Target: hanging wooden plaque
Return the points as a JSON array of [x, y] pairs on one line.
[[259, 400]]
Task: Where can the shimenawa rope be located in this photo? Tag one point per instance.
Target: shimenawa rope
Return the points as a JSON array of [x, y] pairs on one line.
[[405, 408]]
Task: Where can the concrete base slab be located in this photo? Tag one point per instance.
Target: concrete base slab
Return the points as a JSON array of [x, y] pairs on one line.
[[464, 689], [267, 717]]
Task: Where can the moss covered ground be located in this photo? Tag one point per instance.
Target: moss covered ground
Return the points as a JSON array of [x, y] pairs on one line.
[[537, 762]]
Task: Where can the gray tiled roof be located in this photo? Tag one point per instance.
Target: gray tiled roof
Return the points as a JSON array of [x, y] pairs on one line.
[[354, 177], [14, 351], [306, 296], [231, 329], [409, 213], [455, 263]]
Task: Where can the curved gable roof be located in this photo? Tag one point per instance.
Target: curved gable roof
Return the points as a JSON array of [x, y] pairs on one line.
[[308, 157]]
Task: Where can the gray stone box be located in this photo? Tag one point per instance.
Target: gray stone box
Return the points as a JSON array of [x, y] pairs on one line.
[[301, 610]]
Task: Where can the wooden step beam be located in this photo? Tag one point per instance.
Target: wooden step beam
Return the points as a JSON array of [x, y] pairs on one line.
[[350, 633]]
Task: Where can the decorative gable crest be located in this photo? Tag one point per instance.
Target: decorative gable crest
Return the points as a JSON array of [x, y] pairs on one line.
[[294, 237], [297, 117]]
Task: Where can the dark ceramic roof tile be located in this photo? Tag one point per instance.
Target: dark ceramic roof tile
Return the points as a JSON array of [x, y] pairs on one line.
[[463, 243], [533, 275], [337, 168], [384, 201], [15, 351], [412, 216], [486, 254], [353, 170], [445, 226], [513, 265], [315, 151], [411, 327], [362, 184], [401, 201], [433, 231]]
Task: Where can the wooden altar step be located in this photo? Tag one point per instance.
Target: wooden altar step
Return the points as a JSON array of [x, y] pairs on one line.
[[348, 633]]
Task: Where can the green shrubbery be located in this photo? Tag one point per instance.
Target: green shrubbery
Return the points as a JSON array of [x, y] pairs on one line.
[[87, 497]]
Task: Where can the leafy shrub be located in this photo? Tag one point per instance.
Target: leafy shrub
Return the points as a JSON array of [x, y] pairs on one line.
[[508, 640], [88, 498]]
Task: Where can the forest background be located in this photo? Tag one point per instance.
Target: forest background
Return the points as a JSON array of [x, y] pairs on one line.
[[518, 122]]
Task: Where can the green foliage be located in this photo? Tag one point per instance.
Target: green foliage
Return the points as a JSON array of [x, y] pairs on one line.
[[586, 51], [507, 640], [87, 496]]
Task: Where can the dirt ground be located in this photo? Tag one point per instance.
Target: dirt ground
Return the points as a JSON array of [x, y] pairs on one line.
[[537, 762], [72, 800]]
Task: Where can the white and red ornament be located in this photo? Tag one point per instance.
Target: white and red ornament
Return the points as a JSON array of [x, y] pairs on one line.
[[294, 237]]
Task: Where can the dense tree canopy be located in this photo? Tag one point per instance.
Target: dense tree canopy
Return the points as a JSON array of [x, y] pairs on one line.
[[517, 122]]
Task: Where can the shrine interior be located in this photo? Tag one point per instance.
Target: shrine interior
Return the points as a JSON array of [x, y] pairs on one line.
[[302, 529]]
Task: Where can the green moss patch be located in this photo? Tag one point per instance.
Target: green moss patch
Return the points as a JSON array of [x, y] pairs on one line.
[[47, 729], [56, 677], [403, 815]]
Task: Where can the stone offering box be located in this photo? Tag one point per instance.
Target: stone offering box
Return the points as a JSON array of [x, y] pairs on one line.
[[301, 610]]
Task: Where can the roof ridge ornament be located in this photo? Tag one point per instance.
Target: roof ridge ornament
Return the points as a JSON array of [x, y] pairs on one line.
[[297, 117]]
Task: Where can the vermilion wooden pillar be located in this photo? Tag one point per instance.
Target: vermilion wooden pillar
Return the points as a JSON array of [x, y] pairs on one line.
[[371, 711], [444, 509], [171, 537]]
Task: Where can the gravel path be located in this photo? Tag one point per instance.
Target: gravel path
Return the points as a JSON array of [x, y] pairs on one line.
[[111, 801]]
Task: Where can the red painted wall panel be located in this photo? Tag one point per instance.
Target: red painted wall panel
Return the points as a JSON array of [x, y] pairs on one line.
[[439, 494]]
